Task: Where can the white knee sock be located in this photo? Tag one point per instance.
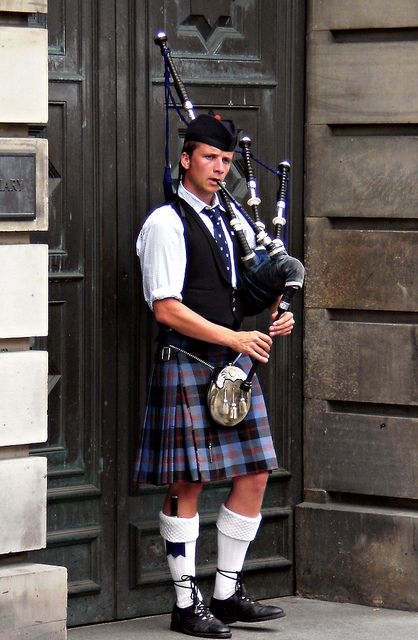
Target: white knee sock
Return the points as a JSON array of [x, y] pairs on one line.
[[235, 532], [180, 535]]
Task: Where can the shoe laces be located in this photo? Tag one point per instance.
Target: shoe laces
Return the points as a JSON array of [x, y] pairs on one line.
[[240, 589], [239, 585], [200, 609]]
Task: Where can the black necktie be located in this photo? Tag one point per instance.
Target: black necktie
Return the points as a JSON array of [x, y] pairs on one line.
[[220, 237]]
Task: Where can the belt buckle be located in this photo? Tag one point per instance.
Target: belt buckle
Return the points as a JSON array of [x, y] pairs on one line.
[[166, 354]]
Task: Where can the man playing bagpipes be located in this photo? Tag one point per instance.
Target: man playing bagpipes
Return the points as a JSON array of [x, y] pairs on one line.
[[192, 282]]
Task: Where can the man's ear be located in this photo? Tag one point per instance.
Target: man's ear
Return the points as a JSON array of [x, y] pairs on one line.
[[185, 160]]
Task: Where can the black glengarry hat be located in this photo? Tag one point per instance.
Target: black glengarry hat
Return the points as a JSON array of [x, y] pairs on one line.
[[221, 134]]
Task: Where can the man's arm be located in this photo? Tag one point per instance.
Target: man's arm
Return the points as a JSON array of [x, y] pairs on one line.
[[176, 315]]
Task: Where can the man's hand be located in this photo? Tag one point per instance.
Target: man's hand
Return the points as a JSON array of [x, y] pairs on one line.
[[283, 326], [254, 343]]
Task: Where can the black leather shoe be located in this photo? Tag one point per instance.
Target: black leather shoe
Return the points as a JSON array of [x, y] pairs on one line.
[[197, 620], [241, 608]]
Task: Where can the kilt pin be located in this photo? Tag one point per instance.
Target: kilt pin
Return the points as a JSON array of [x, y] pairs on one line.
[[180, 441]]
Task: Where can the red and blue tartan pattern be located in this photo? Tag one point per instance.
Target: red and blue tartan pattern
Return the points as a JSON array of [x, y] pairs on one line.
[[181, 442]]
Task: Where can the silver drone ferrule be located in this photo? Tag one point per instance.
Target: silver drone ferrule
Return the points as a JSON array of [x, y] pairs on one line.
[[188, 106], [253, 199], [261, 237], [277, 246], [235, 224], [249, 257], [260, 225], [279, 220]]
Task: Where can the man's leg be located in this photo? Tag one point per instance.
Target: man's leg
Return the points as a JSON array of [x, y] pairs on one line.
[[180, 531], [238, 523]]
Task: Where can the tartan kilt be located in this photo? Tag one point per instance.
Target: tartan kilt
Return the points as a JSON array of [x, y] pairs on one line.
[[180, 441]]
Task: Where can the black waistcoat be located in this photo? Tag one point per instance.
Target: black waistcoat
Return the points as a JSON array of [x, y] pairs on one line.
[[207, 284]]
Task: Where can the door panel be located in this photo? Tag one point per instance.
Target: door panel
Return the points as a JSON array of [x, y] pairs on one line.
[[81, 319]]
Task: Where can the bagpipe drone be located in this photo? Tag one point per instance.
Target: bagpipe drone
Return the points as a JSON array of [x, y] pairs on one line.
[[269, 272]]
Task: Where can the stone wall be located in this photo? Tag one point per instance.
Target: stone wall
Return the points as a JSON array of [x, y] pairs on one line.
[[32, 596], [358, 526]]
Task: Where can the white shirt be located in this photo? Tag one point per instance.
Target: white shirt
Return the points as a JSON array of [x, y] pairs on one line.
[[161, 248]]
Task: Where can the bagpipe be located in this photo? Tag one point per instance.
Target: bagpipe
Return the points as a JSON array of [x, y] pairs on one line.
[[269, 272]]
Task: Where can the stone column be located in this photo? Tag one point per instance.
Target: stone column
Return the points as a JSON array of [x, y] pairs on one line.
[[32, 596], [357, 529]]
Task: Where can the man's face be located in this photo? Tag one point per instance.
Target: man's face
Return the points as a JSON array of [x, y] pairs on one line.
[[204, 168]]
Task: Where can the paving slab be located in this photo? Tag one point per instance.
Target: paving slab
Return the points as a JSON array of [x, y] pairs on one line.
[[305, 620]]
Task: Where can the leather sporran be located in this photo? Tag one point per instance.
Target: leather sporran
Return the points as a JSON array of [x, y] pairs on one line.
[[228, 404]]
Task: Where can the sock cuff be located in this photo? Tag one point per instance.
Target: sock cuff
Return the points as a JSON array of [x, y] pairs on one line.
[[235, 525], [176, 529]]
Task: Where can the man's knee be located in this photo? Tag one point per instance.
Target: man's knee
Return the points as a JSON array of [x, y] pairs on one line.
[[187, 494], [260, 480], [254, 482], [186, 490]]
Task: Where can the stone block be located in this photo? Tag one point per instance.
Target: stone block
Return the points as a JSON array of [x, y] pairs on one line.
[[361, 554], [23, 290], [23, 504], [27, 6], [23, 397], [24, 62], [351, 361], [27, 148], [370, 269], [358, 14], [360, 82], [368, 172], [362, 449], [33, 602]]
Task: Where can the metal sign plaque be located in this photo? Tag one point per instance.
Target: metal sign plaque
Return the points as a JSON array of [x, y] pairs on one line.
[[17, 186]]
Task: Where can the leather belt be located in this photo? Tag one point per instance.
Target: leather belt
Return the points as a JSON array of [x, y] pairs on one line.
[[170, 350]]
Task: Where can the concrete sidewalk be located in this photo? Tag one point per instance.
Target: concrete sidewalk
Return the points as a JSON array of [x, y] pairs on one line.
[[305, 620]]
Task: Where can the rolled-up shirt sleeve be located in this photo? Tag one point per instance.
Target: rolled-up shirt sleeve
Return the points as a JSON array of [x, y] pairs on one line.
[[162, 253]]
